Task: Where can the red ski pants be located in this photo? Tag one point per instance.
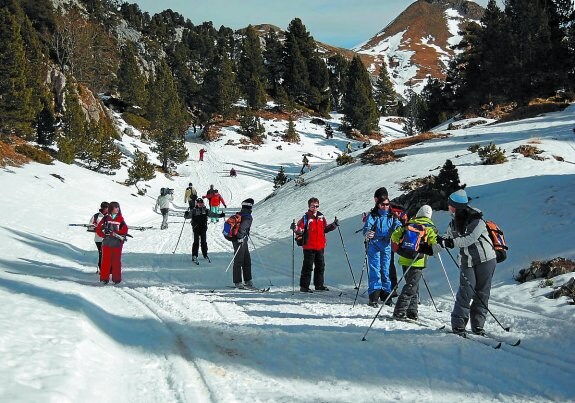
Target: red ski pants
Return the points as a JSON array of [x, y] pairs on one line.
[[111, 261]]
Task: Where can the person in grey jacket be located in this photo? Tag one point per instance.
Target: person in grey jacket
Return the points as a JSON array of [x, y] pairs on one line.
[[468, 232], [163, 202], [242, 259]]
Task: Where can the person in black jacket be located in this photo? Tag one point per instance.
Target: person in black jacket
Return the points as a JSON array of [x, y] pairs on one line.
[[199, 220], [242, 259]]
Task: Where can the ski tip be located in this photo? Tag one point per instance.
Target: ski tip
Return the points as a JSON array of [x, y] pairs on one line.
[[507, 329], [516, 343], [497, 346], [363, 339]]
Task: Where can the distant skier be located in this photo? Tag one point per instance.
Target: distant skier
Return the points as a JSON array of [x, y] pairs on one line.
[[199, 221], [210, 192], [163, 202], [313, 227], [305, 163], [191, 195], [348, 148], [113, 229], [94, 220], [202, 152], [215, 199], [233, 173]]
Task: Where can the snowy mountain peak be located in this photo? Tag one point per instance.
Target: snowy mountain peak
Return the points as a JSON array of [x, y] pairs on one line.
[[417, 43]]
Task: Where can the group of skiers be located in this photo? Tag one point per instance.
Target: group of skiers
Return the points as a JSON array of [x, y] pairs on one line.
[[386, 230]]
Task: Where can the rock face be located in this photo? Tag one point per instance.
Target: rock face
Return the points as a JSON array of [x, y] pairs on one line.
[[418, 42], [56, 81]]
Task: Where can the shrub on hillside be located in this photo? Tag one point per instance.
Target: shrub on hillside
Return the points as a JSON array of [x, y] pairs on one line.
[[344, 159], [136, 120], [34, 154], [473, 148], [491, 155], [529, 151]]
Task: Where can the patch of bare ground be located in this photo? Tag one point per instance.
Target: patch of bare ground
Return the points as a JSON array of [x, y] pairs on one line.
[[382, 154], [8, 154]]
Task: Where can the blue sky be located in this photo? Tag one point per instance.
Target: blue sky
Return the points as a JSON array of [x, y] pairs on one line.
[[342, 23]]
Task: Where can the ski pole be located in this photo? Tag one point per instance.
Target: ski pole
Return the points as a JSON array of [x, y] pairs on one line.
[[259, 258], [177, 243], [475, 293], [445, 272], [389, 296], [346, 256], [365, 265], [293, 259], [235, 254], [429, 292]]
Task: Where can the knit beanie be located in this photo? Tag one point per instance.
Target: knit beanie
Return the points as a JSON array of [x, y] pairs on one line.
[[458, 199], [424, 211], [380, 193], [190, 184], [248, 203]]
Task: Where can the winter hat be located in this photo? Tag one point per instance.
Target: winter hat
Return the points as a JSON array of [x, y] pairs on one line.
[[190, 184], [199, 200], [424, 211], [380, 193], [458, 199], [248, 203]]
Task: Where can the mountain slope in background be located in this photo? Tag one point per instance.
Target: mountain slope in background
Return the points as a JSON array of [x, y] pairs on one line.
[[418, 42]]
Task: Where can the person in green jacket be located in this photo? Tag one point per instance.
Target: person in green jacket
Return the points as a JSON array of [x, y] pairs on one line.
[[406, 305]]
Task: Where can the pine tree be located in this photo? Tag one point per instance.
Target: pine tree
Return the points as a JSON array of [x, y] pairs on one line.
[[102, 154], [46, 123], [337, 68], [73, 141], [16, 111], [131, 80], [447, 181], [273, 61], [436, 108], [251, 69], [280, 179], [291, 135], [415, 111], [167, 118], [296, 78], [359, 108], [219, 88], [385, 96], [141, 170], [251, 126]]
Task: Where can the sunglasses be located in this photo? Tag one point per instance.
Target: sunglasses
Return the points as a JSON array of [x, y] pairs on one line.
[[314, 206], [384, 204]]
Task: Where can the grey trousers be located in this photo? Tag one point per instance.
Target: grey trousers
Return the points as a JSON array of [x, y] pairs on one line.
[[407, 301], [165, 212], [472, 306]]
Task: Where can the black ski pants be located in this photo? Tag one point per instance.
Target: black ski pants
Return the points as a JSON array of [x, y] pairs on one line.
[[99, 246], [200, 239], [312, 258], [407, 301], [242, 261]]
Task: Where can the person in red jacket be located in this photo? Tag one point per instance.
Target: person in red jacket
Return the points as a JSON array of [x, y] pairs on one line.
[[113, 229], [215, 199], [202, 152], [313, 227]]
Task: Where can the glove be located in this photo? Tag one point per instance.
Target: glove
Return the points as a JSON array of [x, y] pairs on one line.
[[292, 226], [445, 242], [436, 249], [336, 222], [222, 215], [187, 214], [425, 249], [240, 240], [107, 231], [225, 206], [369, 234]]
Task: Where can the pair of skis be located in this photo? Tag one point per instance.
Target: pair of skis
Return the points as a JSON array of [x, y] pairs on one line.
[[91, 227], [196, 261], [488, 339]]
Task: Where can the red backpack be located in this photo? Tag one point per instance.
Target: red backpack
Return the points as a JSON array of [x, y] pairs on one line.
[[497, 240], [232, 227]]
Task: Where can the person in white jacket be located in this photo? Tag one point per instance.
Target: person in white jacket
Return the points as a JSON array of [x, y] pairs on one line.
[[94, 220], [164, 199]]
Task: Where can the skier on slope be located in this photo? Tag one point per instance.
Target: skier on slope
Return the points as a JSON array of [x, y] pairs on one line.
[[313, 227], [113, 229], [163, 202], [199, 221], [377, 229], [202, 152], [190, 195], [407, 302], [215, 199], [242, 259], [477, 260], [94, 220]]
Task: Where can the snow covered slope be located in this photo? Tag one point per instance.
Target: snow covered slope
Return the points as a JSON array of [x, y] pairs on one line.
[[174, 332]]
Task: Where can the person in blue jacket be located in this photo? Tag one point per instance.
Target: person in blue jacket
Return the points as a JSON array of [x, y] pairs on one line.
[[377, 229]]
